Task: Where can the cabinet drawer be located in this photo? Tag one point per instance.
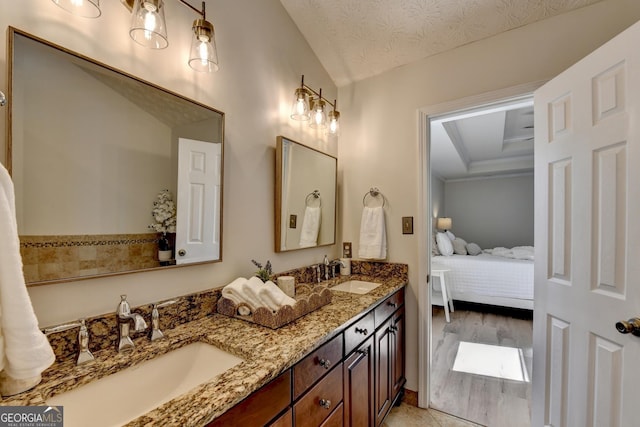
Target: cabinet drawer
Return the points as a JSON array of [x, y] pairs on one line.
[[319, 402], [315, 365], [284, 420], [358, 332], [388, 306], [261, 406], [335, 419]]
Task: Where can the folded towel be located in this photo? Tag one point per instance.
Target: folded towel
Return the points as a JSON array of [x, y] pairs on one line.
[[236, 292], [24, 350], [273, 297], [250, 289], [310, 227], [373, 236]]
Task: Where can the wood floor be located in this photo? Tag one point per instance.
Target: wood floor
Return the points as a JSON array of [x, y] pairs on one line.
[[481, 399]]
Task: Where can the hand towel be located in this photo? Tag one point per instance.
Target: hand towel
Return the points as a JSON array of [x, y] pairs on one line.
[[310, 227], [373, 236], [235, 292], [24, 350], [273, 297]]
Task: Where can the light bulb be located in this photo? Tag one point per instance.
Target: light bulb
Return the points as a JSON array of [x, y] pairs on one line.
[[149, 24]]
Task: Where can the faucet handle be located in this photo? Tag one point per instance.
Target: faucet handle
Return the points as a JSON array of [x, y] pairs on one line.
[[156, 333], [124, 308], [84, 355]]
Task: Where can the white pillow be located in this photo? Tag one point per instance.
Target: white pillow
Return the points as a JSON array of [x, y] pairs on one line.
[[444, 244], [459, 246], [450, 235], [473, 249]]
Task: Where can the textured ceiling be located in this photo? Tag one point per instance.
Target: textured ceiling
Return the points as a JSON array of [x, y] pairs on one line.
[[356, 39]]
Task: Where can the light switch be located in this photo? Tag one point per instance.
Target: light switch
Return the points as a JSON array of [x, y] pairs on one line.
[[293, 219], [407, 225]]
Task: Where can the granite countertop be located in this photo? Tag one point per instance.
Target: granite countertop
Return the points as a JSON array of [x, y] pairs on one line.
[[266, 353]]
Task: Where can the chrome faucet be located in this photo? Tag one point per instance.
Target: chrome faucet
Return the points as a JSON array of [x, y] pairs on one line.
[[334, 264], [156, 333], [124, 317], [327, 267], [84, 355]]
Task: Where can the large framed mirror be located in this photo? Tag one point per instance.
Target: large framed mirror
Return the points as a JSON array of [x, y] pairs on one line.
[[94, 154], [306, 183]]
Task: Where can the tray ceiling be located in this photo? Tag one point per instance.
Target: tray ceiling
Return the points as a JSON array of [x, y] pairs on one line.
[[356, 39]]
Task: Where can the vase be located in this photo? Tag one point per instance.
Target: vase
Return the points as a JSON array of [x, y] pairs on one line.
[[164, 249]]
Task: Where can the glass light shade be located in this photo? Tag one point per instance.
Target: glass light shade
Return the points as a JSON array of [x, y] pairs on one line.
[[300, 106], [83, 8], [334, 123], [444, 224], [318, 116], [204, 55], [148, 26]]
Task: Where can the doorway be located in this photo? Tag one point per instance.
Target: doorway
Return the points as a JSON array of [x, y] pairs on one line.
[[449, 350]]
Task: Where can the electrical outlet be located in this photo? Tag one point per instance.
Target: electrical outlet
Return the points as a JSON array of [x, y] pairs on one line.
[[293, 220], [346, 249], [407, 225]]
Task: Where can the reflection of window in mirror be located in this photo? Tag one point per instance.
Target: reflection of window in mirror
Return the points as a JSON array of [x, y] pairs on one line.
[[86, 175], [305, 196]]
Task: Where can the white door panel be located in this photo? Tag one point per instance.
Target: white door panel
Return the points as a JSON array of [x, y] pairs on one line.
[[198, 221], [587, 277]]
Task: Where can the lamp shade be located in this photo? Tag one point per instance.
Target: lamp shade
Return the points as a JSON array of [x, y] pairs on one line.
[[148, 26], [203, 55], [318, 115], [300, 105], [444, 223], [83, 8]]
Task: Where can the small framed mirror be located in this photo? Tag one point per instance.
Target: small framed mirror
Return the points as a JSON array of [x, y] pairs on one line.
[[306, 186]]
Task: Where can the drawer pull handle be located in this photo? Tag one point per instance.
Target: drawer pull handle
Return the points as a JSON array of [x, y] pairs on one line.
[[393, 328], [362, 331], [364, 351], [392, 304], [325, 363], [325, 403]]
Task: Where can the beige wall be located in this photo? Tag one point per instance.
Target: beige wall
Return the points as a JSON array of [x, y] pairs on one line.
[[379, 143], [262, 56]]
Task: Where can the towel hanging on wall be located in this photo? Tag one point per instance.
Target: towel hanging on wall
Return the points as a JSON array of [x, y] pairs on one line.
[[24, 350], [373, 235]]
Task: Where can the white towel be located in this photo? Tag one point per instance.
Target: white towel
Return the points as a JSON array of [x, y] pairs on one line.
[[239, 292], [25, 351], [310, 227], [273, 297], [373, 236]]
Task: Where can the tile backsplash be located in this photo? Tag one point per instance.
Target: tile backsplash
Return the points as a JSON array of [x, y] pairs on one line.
[[68, 256]]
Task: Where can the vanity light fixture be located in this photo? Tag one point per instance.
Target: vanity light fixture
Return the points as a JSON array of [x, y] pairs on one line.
[[310, 105], [84, 8], [149, 28]]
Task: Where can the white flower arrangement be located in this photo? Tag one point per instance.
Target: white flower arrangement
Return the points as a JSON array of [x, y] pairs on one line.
[[164, 213]]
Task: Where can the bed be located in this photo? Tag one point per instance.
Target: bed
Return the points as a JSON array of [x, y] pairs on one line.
[[488, 279]]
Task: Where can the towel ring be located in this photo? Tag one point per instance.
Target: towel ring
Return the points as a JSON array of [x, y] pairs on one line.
[[374, 193], [314, 195]]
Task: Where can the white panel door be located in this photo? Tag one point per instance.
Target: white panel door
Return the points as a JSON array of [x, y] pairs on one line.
[[198, 218], [587, 238]]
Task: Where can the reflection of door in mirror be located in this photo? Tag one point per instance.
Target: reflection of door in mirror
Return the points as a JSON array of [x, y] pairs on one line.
[[89, 149], [305, 196], [197, 230]]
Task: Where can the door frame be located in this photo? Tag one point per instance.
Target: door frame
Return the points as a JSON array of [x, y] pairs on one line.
[[424, 213]]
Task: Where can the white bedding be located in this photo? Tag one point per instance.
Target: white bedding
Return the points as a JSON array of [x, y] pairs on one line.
[[488, 279]]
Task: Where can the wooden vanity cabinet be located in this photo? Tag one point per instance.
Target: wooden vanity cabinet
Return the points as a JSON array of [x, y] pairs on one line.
[[261, 407], [352, 380], [359, 385], [389, 355]]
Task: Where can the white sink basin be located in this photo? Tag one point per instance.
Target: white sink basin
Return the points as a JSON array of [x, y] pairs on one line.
[[356, 287], [125, 395]]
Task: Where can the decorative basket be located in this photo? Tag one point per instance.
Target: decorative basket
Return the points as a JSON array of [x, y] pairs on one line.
[[307, 300]]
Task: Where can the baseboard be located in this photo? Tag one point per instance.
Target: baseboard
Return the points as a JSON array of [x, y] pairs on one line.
[[410, 397]]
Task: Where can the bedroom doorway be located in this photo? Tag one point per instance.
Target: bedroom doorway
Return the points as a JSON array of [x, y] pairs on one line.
[[478, 308]]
